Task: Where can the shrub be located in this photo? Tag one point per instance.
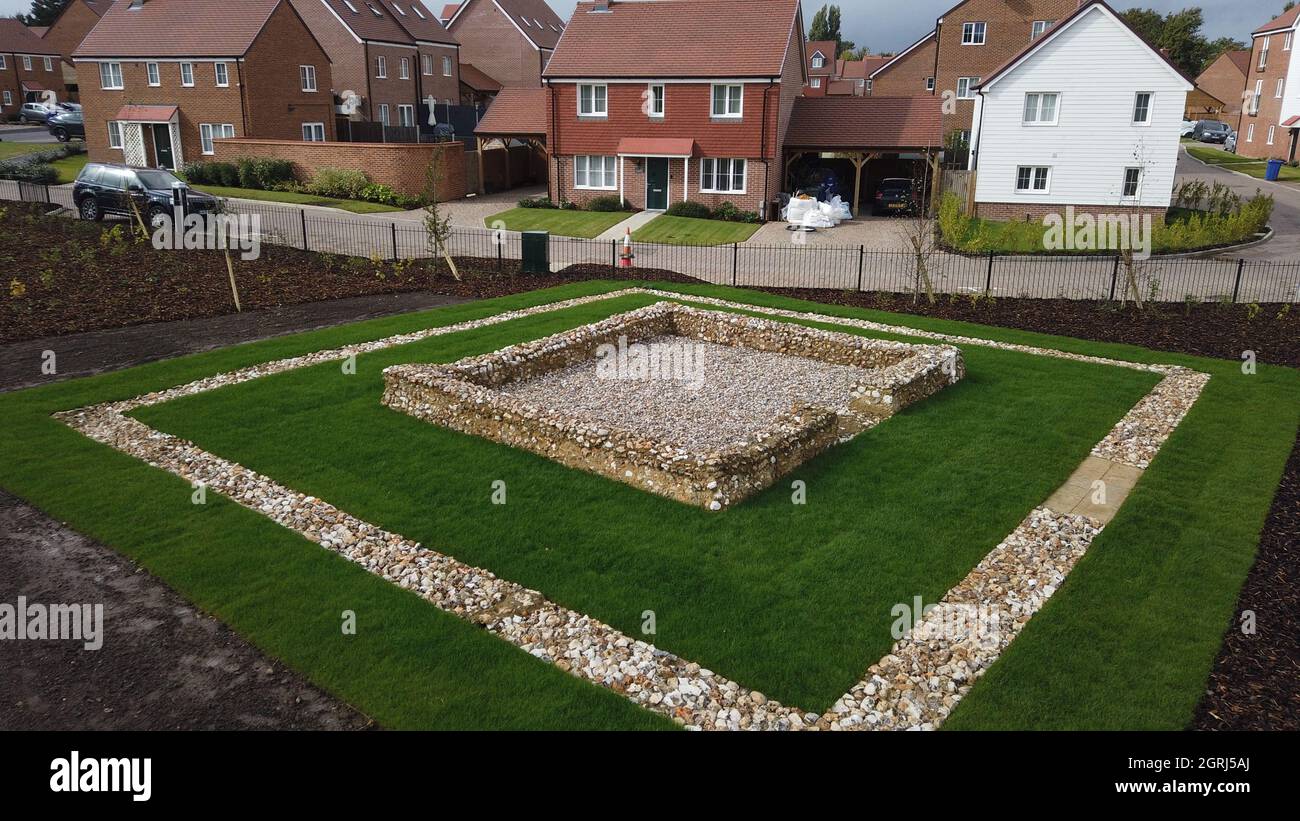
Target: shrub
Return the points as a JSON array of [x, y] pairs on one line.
[[340, 183], [264, 173], [385, 195], [607, 203], [38, 172], [211, 173], [728, 212], [536, 202], [689, 208]]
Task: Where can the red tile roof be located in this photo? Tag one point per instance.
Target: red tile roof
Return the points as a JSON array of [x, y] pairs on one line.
[[39, 31], [476, 79], [15, 38], [656, 146], [827, 48], [1285, 20], [1241, 59], [866, 122], [543, 25], [32, 85], [421, 26], [515, 111], [1292, 121], [146, 113], [177, 28], [676, 38], [368, 25], [842, 87]]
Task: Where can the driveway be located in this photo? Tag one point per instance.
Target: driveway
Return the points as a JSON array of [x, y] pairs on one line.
[[875, 233], [1285, 244], [26, 134]]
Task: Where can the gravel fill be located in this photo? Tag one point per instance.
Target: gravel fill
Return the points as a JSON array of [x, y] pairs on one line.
[[730, 395]]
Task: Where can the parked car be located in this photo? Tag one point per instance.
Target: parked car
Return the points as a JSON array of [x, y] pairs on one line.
[[1211, 131], [65, 125], [34, 112], [894, 195], [1230, 144], [1188, 127], [69, 106], [109, 188]]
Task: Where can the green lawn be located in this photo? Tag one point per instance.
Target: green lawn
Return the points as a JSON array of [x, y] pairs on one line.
[[777, 596], [10, 149], [1236, 162], [561, 222], [672, 230], [70, 167], [295, 198]]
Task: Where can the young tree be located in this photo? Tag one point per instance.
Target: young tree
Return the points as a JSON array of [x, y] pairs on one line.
[[437, 228], [43, 13]]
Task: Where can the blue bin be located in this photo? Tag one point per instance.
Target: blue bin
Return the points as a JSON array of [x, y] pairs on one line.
[[1273, 168]]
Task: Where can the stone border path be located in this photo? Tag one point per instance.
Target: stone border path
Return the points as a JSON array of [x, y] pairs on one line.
[[915, 686]]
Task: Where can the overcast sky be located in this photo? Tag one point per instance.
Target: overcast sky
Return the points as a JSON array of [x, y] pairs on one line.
[[887, 25]]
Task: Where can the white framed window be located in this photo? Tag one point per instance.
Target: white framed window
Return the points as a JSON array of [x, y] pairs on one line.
[[722, 176], [728, 100], [1286, 41], [1255, 98], [187, 74], [110, 76], [866, 85], [1041, 108], [966, 87], [404, 69], [1142, 108], [446, 66], [1132, 179], [49, 63], [307, 77], [27, 62], [1033, 179], [399, 8], [1270, 134], [383, 113], [8, 98], [595, 172], [1281, 82], [426, 63], [929, 84], [351, 7], [815, 82], [1039, 28], [406, 115], [151, 71], [973, 34], [313, 132], [1250, 133], [3, 63], [381, 67], [415, 7], [593, 100], [223, 74], [655, 100], [1263, 51], [114, 134], [210, 131], [818, 61]]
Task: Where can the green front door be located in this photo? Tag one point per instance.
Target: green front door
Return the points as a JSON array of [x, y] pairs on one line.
[[162, 146], [656, 183]]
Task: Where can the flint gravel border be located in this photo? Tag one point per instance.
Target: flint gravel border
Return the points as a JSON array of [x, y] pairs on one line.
[[915, 686]]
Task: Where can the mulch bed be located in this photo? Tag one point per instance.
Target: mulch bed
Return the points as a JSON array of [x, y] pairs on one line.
[[1254, 682]]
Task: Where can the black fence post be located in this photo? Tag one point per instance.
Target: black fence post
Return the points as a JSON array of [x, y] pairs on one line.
[[862, 254], [988, 277], [613, 253], [1114, 278], [735, 262], [500, 240], [302, 212], [393, 225], [1236, 286]]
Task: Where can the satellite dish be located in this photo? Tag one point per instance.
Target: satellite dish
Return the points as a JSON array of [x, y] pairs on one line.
[[351, 102]]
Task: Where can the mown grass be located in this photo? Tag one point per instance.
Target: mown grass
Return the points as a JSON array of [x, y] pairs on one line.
[[562, 222], [298, 198], [671, 230], [1127, 642], [1236, 162]]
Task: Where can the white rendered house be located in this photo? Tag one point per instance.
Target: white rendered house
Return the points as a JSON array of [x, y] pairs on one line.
[[1087, 116]]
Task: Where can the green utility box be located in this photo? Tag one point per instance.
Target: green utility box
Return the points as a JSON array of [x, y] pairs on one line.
[[537, 252]]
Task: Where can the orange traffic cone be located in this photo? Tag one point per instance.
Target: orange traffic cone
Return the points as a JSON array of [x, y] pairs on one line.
[[625, 258]]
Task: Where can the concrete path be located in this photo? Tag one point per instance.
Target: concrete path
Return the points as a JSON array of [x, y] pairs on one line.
[[633, 222], [1285, 244]]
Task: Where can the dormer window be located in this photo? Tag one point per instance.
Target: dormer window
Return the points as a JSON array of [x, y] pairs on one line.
[[398, 9], [416, 9], [351, 7], [525, 21], [375, 10], [818, 60]]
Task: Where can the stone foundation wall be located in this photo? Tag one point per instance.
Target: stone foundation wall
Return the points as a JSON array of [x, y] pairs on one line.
[[461, 396]]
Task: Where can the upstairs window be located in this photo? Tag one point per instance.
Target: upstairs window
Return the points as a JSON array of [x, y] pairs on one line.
[[1280, 84], [1286, 41], [1039, 28], [3, 64], [728, 100], [1142, 108], [972, 34], [1040, 108], [49, 63], [815, 82], [966, 87], [110, 75], [151, 70], [1263, 52], [446, 66], [426, 63], [351, 7], [307, 74], [404, 69], [27, 63], [381, 67], [187, 74], [1255, 98], [593, 101], [818, 61], [655, 100], [929, 84], [223, 74]]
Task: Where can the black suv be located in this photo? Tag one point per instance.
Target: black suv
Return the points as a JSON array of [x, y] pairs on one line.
[[65, 125], [108, 188], [1211, 131], [894, 195]]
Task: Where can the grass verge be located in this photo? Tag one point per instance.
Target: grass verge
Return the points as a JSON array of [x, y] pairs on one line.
[[1236, 162], [561, 222], [296, 198], [671, 230]]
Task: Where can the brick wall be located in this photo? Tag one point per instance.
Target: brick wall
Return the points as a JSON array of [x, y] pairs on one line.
[[441, 86], [562, 188], [1034, 212], [1255, 144], [271, 73], [907, 76], [401, 166], [1225, 81], [71, 28], [492, 44], [347, 56], [12, 75]]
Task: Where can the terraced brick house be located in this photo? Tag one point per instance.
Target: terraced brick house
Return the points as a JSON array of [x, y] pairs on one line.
[[511, 41], [1270, 118], [1035, 148], [657, 120], [822, 65], [69, 29], [1225, 78], [163, 79], [29, 68], [968, 42], [388, 56]]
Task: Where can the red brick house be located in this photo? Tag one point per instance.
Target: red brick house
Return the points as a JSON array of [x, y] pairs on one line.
[[657, 120], [968, 43], [1224, 79], [509, 40], [391, 55], [1270, 118], [822, 64], [69, 29], [29, 67], [162, 79]]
